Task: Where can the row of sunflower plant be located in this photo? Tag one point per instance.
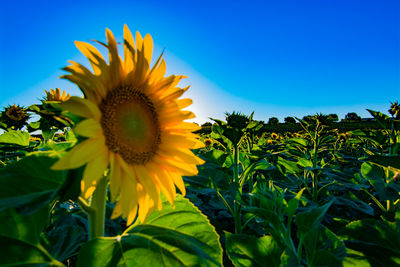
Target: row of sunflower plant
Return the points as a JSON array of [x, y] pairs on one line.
[[318, 197], [101, 180]]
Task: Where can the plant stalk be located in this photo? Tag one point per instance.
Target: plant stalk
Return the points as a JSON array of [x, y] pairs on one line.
[[98, 205], [236, 201]]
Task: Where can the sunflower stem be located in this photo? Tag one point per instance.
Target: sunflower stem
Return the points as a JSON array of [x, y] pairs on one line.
[[98, 211], [238, 191]]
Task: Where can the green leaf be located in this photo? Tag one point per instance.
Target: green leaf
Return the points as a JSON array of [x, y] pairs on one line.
[[20, 236], [355, 258], [25, 228], [376, 176], [354, 205], [246, 250], [311, 219], [18, 253], [323, 247], [216, 156], [179, 236], [305, 162], [326, 258], [386, 161], [29, 184], [261, 164], [15, 138], [67, 234], [293, 204], [299, 141], [381, 118], [290, 166], [378, 240]]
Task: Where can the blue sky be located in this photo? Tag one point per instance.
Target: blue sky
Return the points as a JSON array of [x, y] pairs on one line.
[[278, 58]]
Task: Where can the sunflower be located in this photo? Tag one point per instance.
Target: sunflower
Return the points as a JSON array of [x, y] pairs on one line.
[[208, 142], [395, 110], [274, 136], [55, 95], [14, 116], [134, 124]]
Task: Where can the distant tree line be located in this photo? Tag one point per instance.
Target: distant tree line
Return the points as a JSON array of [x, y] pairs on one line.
[[323, 118]]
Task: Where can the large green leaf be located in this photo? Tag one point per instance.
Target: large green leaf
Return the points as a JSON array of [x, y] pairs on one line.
[[386, 161], [18, 253], [15, 138], [20, 236], [176, 236], [324, 248], [311, 219], [25, 228], [246, 250], [376, 176], [378, 240], [289, 166], [216, 156], [29, 184]]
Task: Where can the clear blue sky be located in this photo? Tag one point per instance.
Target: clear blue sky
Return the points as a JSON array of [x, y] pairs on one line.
[[278, 58]]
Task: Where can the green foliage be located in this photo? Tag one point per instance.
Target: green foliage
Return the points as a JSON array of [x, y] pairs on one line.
[[306, 197], [176, 236], [377, 240], [29, 184], [246, 250], [18, 138]]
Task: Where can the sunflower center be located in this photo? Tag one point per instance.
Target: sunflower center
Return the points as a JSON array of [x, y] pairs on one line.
[[130, 125]]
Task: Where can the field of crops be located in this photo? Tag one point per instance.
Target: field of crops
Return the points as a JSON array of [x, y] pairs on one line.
[[315, 197]]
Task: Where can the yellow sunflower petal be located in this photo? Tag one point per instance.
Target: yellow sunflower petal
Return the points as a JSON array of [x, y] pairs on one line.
[[148, 48], [129, 50], [184, 155], [115, 178], [80, 154], [177, 178], [117, 211], [82, 107], [94, 171], [185, 102], [184, 168], [115, 60], [88, 128], [146, 180], [166, 185], [93, 55], [131, 215]]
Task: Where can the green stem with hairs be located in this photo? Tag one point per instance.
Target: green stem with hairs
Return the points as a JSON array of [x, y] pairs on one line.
[[97, 210], [236, 201]]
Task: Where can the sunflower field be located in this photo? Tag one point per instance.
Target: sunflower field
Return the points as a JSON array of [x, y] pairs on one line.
[[118, 177]]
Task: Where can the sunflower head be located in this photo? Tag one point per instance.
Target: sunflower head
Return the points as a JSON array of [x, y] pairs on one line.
[[208, 142], [134, 122], [14, 116], [56, 95], [274, 136], [395, 110], [237, 120]]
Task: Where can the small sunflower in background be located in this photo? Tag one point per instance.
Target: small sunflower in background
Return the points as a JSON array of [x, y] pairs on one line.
[[135, 125], [51, 117], [395, 110], [274, 136], [56, 95], [208, 142], [14, 117]]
